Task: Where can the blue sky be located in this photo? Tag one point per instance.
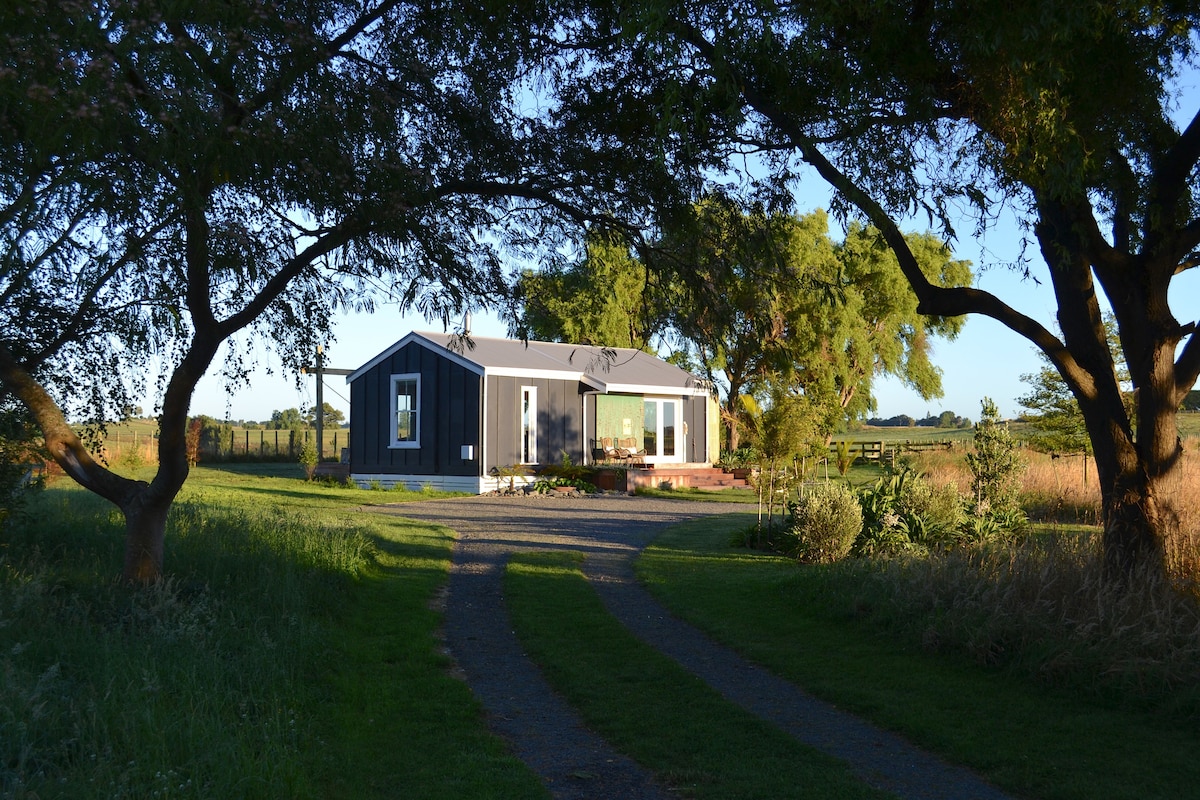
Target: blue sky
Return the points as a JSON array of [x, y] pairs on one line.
[[986, 360]]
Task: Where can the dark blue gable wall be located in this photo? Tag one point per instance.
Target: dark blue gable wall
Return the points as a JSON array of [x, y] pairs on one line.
[[449, 417]]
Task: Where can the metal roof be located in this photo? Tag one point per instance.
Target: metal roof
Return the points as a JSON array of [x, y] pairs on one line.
[[607, 370]]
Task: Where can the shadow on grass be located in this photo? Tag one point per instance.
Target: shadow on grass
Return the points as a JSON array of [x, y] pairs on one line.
[[816, 627]]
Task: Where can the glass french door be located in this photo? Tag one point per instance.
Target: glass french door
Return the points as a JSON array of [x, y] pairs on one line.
[[660, 424]]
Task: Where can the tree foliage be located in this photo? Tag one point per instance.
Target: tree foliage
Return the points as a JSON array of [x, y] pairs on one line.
[[874, 328], [1064, 113], [780, 429], [331, 418], [287, 419], [1058, 423], [602, 299], [995, 464], [178, 175], [746, 298]]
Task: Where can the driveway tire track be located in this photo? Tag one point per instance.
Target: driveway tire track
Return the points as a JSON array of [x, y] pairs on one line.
[[546, 733]]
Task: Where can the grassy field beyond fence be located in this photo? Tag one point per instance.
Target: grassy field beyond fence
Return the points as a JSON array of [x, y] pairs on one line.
[[134, 443]]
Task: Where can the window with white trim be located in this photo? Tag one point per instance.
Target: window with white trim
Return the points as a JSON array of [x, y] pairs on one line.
[[529, 425], [406, 410]]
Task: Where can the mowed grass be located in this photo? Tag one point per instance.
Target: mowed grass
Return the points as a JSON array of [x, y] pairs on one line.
[[292, 653], [651, 708], [802, 623]]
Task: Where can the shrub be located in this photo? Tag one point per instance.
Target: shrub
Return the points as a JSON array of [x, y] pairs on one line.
[[884, 530], [844, 457], [548, 485], [995, 463], [308, 457], [742, 457], [932, 515], [823, 525], [191, 440], [566, 469], [19, 457], [511, 472]]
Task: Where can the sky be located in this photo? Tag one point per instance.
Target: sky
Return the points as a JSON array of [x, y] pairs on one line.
[[986, 360]]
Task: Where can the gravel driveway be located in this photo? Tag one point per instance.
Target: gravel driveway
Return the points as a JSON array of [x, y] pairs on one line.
[[545, 732]]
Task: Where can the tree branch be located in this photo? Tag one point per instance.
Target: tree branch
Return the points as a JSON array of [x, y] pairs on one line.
[[1168, 184], [931, 299], [274, 90], [232, 110], [1187, 366], [336, 237], [528, 191], [63, 443]]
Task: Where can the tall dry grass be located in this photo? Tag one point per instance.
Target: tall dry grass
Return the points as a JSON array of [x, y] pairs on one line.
[[1066, 490], [1183, 495], [1046, 607], [1045, 604], [1062, 490]]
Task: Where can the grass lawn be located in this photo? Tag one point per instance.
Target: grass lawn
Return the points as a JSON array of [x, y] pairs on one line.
[[648, 706], [292, 653], [1033, 741]]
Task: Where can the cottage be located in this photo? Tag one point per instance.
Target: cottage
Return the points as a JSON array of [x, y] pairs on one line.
[[434, 410]]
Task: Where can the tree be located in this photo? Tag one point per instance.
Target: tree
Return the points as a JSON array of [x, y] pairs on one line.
[[744, 280], [745, 297], [1058, 423], [603, 299], [1056, 419], [780, 429], [874, 327], [995, 464], [1059, 111], [772, 297], [175, 176], [288, 419], [333, 418]]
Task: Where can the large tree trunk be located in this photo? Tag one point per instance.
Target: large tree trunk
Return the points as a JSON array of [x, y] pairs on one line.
[[1135, 473], [1136, 528], [145, 533]]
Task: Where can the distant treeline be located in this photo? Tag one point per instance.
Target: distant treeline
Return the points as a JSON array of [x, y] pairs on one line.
[[947, 419]]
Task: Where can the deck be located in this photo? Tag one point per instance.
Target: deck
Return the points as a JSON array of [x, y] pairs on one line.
[[681, 476]]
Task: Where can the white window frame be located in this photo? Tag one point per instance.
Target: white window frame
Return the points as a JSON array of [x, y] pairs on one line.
[[415, 442], [532, 429]]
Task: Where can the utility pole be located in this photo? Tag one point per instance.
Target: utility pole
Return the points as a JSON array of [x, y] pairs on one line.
[[320, 370]]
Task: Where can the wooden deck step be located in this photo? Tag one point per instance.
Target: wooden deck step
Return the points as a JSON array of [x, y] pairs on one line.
[[678, 477]]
